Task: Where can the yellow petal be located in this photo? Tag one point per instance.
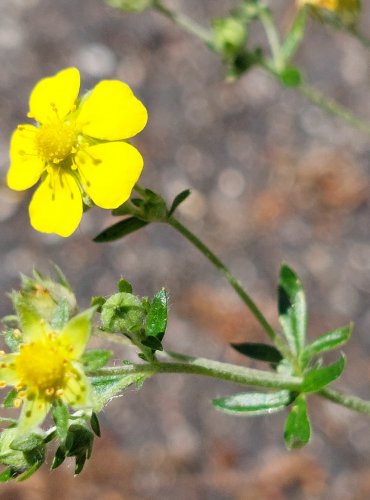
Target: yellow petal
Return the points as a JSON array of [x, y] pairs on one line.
[[76, 333], [111, 112], [8, 373], [55, 96], [33, 413], [109, 172], [56, 206], [77, 392], [25, 165]]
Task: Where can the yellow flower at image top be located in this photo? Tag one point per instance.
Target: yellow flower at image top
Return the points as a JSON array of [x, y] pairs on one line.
[[76, 148], [341, 7], [46, 369]]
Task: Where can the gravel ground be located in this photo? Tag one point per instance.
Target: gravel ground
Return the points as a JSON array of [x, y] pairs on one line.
[[273, 179]]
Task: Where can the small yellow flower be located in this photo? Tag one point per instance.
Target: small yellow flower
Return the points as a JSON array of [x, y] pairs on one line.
[[47, 368], [340, 7], [76, 148]]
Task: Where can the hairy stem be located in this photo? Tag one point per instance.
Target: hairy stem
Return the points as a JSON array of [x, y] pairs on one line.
[[208, 368], [352, 402], [245, 297], [184, 22]]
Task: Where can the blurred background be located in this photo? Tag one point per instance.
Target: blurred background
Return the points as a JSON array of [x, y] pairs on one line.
[[272, 178]]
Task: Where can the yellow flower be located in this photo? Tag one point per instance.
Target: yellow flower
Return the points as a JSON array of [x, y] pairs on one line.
[[77, 148], [47, 368], [341, 7]]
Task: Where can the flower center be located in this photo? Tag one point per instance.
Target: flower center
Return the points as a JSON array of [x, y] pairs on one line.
[[55, 141], [43, 365]]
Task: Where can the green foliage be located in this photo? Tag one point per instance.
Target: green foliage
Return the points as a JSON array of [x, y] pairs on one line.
[[318, 377], [261, 352], [156, 320], [327, 342], [61, 419], [180, 198], [254, 403], [297, 430], [292, 309], [120, 229]]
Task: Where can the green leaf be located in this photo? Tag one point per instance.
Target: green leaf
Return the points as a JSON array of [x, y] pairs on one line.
[[254, 403], [94, 422], [120, 229], [297, 430], [180, 198], [292, 309], [295, 35], [153, 342], [290, 77], [156, 321], [124, 286], [95, 358], [9, 398], [61, 419], [327, 342], [261, 352], [318, 377]]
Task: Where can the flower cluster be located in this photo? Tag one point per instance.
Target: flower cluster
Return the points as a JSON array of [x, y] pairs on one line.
[[77, 148]]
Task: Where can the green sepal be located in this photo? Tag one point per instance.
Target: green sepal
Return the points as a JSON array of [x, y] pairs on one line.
[[93, 359], [8, 474], [120, 229], [61, 419], [124, 286], [292, 309], [297, 430], [327, 342], [94, 422], [178, 200], [318, 377], [156, 321], [27, 442], [61, 315], [259, 351], [153, 342], [59, 457], [8, 401], [98, 302], [254, 403]]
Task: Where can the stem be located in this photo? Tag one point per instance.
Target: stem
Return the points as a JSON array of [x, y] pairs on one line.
[[208, 368], [352, 402], [333, 107], [184, 22], [248, 301], [272, 37]]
